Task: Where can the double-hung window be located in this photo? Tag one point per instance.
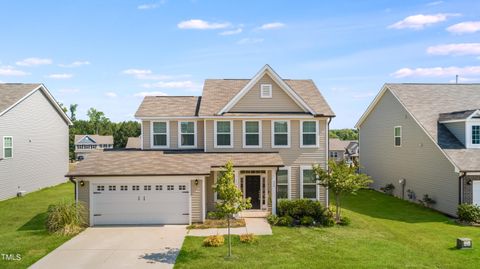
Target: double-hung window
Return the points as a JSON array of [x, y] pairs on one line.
[[283, 183], [476, 134], [280, 134], [187, 134], [223, 134], [309, 134], [397, 136], [7, 147], [308, 183], [252, 134], [160, 134]]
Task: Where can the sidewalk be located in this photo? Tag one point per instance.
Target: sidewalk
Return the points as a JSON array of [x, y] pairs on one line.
[[257, 226]]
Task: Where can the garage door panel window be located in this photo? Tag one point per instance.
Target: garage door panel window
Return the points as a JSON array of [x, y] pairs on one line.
[[124, 188], [182, 187], [158, 187], [170, 188], [135, 188], [112, 188], [100, 188], [160, 134], [147, 188]]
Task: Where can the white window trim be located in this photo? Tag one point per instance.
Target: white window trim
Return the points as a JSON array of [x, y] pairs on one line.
[[215, 134], [394, 136], [179, 127], [4, 147], [317, 144], [270, 90], [317, 189], [468, 131], [289, 180], [288, 134], [245, 134], [151, 135]]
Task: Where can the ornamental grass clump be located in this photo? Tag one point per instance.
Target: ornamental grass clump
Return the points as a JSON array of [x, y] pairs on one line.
[[214, 241], [66, 218]]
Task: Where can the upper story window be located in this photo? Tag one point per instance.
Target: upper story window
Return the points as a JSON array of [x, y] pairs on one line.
[[7, 147], [280, 134], [252, 134], [309, 134], [476, 134], [187, 134], [223, 134], [266, 90], [397, 136], [160, 134]]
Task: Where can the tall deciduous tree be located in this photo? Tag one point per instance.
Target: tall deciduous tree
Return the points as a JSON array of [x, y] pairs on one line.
[[341, 179], [231, 198], [73, 112]]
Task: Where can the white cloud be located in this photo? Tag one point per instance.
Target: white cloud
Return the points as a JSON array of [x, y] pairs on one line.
[[272, 25], [75, 64], [11, 71], [147, 74], [202, 25], [111, 94], [437, 71], [232, 32], [34, 61], [154, 93], [247, 41], [60, 76], [186, 85], [419, 21], [455, 49], [467, 27], [66, 91]]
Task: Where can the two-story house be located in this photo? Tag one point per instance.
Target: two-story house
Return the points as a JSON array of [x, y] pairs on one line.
[[272, 129], [425, 140], [85, 144], [34, 139], [343, 150]]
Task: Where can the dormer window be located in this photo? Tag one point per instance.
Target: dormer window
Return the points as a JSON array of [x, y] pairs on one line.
[[476, 134], [266, 90]]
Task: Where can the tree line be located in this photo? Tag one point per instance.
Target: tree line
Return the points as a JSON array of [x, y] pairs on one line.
[[98, 123], [344, 134]]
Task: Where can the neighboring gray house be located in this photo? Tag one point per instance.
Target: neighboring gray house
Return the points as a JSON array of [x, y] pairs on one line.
[[424, 139], [272, 129], [34, 139], [85, 144], [343, 150]]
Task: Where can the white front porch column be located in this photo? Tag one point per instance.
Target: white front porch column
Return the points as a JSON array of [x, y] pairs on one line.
[[237, 177], [274, 192]]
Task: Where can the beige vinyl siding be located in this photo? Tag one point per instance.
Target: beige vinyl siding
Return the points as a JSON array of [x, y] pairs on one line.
[[196, 201], [200, 134], [457, 129], [40, 146], [84, 197], [173, 125], [419, 161], [146, 134], [280, 101], [210, 202], [174, 134]]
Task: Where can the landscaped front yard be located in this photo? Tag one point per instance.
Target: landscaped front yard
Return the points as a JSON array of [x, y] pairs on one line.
[[22, 226], [386, 232]]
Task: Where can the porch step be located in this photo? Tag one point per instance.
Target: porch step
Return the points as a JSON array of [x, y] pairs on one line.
[[254, 214]]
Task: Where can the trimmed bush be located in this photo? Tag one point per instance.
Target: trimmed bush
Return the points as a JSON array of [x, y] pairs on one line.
[[468, 213], [344, 221], [272, 219], [248, 238], [214, 241], [300, 208], [328, 219], [66, 218], [285, 221], [213, 215], [307, 221]]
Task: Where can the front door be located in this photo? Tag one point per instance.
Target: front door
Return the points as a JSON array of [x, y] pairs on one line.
[[252, 190]]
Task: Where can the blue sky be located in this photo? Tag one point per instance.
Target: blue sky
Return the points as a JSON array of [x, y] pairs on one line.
[[108, 54]]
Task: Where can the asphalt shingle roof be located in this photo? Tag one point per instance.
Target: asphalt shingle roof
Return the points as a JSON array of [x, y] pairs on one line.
[[168, 106], [10, 93], [428, 102]]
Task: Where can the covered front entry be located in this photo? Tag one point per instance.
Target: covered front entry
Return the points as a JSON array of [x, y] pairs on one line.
[[252, 190], [120, 203]]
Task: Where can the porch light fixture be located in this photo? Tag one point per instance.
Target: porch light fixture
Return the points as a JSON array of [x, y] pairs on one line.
[[469, 182], [82, 183], [196, 181]]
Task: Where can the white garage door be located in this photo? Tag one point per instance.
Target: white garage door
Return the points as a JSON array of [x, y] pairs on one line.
[[136, 203], [476, 192]]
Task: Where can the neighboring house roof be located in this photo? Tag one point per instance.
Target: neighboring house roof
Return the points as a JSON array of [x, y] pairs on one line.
[[135, 163], [97, 139], [337, 144], [12, 94], [428, 103], [133, 143], [169, 106], [217, 93]]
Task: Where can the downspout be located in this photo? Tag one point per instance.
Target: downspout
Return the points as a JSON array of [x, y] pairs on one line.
[[461, 179], [72, 179]]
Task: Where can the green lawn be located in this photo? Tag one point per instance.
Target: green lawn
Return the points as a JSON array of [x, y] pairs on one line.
[[386, 232], [22, 225]]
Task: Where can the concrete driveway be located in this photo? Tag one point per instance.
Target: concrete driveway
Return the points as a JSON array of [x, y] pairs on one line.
[[119, 247]]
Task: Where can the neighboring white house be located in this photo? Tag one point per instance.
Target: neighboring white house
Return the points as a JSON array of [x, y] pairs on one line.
[[34, 139], [85, 144], [425, 140]]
